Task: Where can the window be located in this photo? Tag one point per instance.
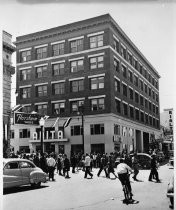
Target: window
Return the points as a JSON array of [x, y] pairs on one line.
[[116, 129], [58, 88], [149, 77], [96, 41], [153, 108], [117, 65], [96, 129], [146, 118], [154, 122], [146, 103], [12, 134], [125, 109], [153, 95], [150, 106], [123, 51], [130, 58], [58, 69], [41, 90], [124, 71], [130, 76], [170, 112], [77, 65], [117, 85], [137, 114], [136, 97], [145, 73], [157, 111], [141, 85], [26, 165], [157, 99], [77, 86], [118, 104], [25, 74], [76, 45], [25, 56], [135, 64], [140, 69], [58, 49], [96, 62], [26, 109], [41, 71], [156, 84], [125, 90], [136, 80], [12, 165], [131, 93], [149, 91], [76, 105], [24, 133], [41, 109], [142, 117], [41, 52], [131, 112], [25, 92], [97, 83], [116, 45], [141, 100], [76, 130], [145, 86], [153, 81], [58, 108], [97, 104]]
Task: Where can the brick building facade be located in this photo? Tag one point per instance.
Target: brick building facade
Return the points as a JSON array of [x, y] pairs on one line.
[[93, 68]]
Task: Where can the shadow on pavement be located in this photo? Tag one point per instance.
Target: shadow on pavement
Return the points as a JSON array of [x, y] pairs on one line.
[[127, 202], [21, 189]]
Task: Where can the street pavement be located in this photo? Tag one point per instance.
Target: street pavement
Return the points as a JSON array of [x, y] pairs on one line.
[[98, 193]]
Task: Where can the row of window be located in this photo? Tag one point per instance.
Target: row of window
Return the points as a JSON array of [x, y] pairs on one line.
[[134, 79], [59, 48], [59, 68], [135, 113], [132, 60]]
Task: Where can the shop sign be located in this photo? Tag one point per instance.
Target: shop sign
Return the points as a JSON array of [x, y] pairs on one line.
[[26, 118]]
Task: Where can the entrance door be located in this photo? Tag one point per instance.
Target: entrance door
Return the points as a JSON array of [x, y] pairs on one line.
[[146, 142], [76, 148]]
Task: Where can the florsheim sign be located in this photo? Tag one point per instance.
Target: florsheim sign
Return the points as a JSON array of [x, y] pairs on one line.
[[26, 118]]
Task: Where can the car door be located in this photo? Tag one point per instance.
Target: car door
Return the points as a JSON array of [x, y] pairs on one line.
[[26, 169], [12, 175]]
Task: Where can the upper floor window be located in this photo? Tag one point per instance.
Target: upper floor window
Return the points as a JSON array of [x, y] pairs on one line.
[[125, 90], [77, 85], [41, 90], [136, 97], [76, 45], [135, 64], [140, 69], [131, 93], [130, 58], [131, 112], [149, 91], [96, 62], [145, 73], [58, 88], [12, 134], [97, 104], [41, 109], [96, 129], [25, 56], [77, 65], [125, 109], [116, 129], [41, 52], [118, 105], [116, 45], [96, 41], [146, 119], [157, 98], [97, 83], [142, 117], [76, 130], [58, 49], [145, 86], [137, 114], [153, 95], [58, 69], [124, 71], [117, 85], [130, 76], [25, 74], [146, 103], [117, 65], [76, 105], [58, 108], [136, 80], [123, 51], [149, 77], [25, 92], [141, 85], [41, 71], [24, 133], [141, 100]]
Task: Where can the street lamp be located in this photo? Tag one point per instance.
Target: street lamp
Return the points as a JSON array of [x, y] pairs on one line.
[[41, 122], [82, 118]]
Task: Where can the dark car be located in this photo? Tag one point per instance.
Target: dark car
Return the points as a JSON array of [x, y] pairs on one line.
[[144, 160]]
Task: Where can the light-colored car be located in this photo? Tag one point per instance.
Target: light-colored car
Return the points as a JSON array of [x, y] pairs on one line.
[[17, 172]]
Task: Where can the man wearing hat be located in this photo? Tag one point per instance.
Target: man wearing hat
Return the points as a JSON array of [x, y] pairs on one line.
[[153, 171]]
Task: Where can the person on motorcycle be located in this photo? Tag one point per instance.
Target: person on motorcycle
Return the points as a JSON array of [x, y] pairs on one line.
[[122, 171]]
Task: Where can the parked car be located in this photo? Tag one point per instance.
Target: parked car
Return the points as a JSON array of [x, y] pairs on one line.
[[144, 160], [17, 172]]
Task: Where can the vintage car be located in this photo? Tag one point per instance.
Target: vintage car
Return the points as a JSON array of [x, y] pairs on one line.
[[17, 172], [144, 160]]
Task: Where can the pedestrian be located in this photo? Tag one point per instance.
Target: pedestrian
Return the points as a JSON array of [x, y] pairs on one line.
[[73, 161], [135, 166], [66, 168], [103, 166], [43, 163], [154, 171], [36, 160], [51, 166], [87, 166], [59, 164], [111, 167], [94, 160]]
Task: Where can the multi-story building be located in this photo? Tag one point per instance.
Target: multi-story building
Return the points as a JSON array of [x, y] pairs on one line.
[[8, 71], [90, 66]]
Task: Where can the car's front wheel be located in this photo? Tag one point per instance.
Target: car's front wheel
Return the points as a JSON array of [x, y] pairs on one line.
[[36, 184]]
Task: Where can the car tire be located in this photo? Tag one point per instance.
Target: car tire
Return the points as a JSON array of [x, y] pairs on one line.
[[36, 185]]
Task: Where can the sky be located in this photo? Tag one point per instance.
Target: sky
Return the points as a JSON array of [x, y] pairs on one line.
[[149, 25]]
